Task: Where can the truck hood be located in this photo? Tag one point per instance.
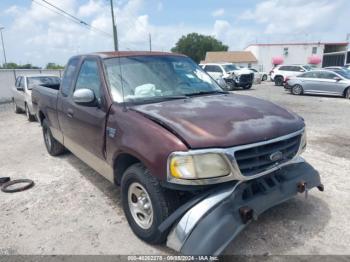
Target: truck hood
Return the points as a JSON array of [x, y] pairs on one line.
[[222, 120], [242, 72]]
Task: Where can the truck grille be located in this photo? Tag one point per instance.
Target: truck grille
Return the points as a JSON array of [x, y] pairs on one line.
[[254, 160], [246, 78]]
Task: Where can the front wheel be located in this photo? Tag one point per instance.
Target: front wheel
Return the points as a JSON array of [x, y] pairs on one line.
[[347, 93], [297, 90], [247, 87], [145, 203], [264, 78]]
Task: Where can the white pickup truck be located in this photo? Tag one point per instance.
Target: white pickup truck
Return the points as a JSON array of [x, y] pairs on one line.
[[232, 75]]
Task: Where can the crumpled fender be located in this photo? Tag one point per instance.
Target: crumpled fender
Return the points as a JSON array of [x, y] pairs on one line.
[[207, 225]]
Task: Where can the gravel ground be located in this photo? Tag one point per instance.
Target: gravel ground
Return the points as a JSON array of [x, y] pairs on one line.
[[73, 210]]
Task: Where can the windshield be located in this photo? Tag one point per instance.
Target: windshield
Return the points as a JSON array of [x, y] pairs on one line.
[[307, 67], [142, 78], [42, 80], [230, 67]]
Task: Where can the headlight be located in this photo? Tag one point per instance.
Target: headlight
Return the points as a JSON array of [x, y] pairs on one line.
[[303, 142], [198, 166]]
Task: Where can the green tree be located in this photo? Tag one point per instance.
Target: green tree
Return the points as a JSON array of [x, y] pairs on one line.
[[196, 46], [53, 66]]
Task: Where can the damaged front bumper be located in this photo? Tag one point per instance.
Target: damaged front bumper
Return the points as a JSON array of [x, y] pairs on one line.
[[205, 226]]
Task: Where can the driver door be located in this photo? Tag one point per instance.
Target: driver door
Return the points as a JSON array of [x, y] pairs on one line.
[[83, 126]]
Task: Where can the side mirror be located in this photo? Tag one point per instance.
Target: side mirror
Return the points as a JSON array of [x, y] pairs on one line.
[[20, 88], [337, 78], [85, 97]]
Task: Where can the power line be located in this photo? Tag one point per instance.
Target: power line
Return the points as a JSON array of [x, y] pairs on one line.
[[71, 17], [76, 18]]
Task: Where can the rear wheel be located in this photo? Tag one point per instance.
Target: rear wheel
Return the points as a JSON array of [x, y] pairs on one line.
[[30, 117], [297, 90], [54, 148], [264, 78], [16, 109], [146, 204], [278, 81], [248, 86]]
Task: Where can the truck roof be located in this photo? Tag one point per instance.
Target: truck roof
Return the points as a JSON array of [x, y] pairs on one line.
[[132, 53]]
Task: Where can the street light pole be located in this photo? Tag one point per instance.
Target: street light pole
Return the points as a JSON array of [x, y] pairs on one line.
[[115, 34], [3, 46]]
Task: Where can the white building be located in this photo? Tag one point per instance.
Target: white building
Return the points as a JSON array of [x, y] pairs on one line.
[[326, 54]]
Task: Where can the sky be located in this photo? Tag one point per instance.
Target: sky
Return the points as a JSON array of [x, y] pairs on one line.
[[33, 34]]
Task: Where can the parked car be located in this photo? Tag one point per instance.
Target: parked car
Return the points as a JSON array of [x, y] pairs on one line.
[[22, 92], [261, 75], [192, 160], [321, 82], [342, 68], [281, 72], [232, 74]]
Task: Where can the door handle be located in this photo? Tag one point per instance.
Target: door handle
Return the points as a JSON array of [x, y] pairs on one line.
[[70, 113]]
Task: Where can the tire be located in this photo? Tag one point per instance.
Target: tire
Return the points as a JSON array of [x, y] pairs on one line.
[[347, 93], [30, 117], [297, 90], [156, 204], [54, 148], [16, 109], [247, 87], [264, 78], [278, 81]]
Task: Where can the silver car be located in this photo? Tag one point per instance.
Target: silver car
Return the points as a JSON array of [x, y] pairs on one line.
[[22, 92], [320, 82]]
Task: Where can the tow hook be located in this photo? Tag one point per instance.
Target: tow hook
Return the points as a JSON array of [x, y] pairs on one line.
[[320, 187], [302, 188], [246, 214]]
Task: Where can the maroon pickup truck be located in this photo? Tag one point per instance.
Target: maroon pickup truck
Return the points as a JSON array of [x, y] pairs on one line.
[[195, 163]]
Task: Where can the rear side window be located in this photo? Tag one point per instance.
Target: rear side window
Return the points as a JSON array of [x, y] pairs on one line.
[[89, 77], [327, 75], [284, 68], [311, 74], [68, 76]]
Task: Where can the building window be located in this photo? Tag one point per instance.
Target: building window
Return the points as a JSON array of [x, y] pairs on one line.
[[285, 51], [314, 50], [249, 65]]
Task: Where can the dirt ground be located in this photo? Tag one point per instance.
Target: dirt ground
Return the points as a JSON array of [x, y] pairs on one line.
[[73, 210]]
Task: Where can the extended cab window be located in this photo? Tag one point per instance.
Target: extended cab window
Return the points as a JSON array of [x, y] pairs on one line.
[[68, 76], [89, 77]]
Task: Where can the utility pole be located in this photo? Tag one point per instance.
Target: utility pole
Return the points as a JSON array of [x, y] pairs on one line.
[[3, 46], [347, 48], [150, 41], [115, 33]]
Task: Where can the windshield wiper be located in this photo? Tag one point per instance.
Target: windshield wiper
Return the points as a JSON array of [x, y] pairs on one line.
[[207, 93], [155, 99]]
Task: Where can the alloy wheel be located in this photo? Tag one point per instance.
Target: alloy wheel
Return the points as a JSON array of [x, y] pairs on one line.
[[297, 90]]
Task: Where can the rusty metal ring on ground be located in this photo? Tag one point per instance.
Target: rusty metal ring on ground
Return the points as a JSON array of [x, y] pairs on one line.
[[28, 184]]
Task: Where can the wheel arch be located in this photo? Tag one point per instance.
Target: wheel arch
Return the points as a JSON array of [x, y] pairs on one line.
[[41, 116], [345, 90], [122, 162]]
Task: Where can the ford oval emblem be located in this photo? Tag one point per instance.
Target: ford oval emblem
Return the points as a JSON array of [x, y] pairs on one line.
[[276, 156]]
